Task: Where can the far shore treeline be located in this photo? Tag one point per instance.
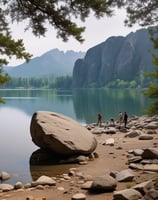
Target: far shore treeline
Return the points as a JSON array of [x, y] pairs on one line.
[[65, 82]]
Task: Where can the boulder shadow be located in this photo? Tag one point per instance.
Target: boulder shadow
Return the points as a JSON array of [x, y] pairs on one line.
[[45, 162]]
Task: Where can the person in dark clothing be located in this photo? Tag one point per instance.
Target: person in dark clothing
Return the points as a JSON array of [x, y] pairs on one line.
[[99, 119], [125, 119]]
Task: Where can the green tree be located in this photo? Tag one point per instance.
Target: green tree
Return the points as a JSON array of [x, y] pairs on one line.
[[142, 12], [9, 47], [152, 91], [133, 84], [3, 78], [60, 14]]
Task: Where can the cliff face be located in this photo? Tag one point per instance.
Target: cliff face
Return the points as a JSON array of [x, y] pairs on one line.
[[117, 58]]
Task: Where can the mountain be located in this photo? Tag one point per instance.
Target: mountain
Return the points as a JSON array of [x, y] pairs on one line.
[[53, 62], [119, 57]]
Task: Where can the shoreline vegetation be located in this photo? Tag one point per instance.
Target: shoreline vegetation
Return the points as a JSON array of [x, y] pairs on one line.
[[127, 156], [66, 82]]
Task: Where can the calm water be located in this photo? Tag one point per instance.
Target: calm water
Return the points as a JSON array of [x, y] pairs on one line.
[[82, 105]]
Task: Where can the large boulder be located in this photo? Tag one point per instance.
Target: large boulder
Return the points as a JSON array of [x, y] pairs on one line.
[[61, 134]]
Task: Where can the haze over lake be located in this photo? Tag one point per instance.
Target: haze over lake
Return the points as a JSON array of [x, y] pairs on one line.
[[82, 105]]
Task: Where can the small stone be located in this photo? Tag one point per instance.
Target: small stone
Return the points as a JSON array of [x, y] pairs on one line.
[[132, 134], [4, 176], [104, 183], [110, 142], [96, 155], [44, 180], [71, 173], [138, 152], [40, 187], [61, 188], [83, 163], [18, 185], [151, 167], [135, 166], [79, 196], [6, 187], [145, 137], [27, 185], [135, 159], [124, 176], [66, 177], [151, 132], [119, 148]]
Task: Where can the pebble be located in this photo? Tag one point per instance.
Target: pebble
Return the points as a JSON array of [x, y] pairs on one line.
[[61, 188], [79, 196]]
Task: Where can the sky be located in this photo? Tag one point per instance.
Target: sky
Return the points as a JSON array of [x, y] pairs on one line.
[[97, 31]]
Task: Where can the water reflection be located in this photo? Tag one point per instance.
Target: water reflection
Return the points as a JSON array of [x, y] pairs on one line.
[[16, 144], [49, 170], [46, 157], [43, 162], [87, 103], [29, 101]]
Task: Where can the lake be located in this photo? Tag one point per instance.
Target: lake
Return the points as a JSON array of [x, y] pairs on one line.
[[82, 105]]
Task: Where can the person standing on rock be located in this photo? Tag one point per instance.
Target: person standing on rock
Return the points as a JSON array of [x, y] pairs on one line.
[[125, 119], [99, 119]]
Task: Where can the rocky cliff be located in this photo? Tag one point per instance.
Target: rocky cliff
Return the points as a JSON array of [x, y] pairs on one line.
[[119, 57]]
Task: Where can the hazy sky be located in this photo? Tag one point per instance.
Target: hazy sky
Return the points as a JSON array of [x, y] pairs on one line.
[[97, 31]]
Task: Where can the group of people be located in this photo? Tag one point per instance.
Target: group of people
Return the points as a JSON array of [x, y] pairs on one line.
[[123, 118]]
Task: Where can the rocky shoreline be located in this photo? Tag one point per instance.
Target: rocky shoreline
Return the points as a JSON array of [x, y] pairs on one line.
[[133, 150]]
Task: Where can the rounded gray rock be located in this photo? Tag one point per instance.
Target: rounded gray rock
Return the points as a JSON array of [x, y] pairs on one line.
[[104, 183], [61, 134], [79, 196]]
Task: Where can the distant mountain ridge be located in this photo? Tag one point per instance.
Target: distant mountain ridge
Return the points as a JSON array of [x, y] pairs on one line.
[[53, 62], [119, 57]]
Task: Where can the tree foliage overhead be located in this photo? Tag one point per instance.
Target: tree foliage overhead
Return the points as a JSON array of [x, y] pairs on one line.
[[60, 14], [142, 12], [8, 46]]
